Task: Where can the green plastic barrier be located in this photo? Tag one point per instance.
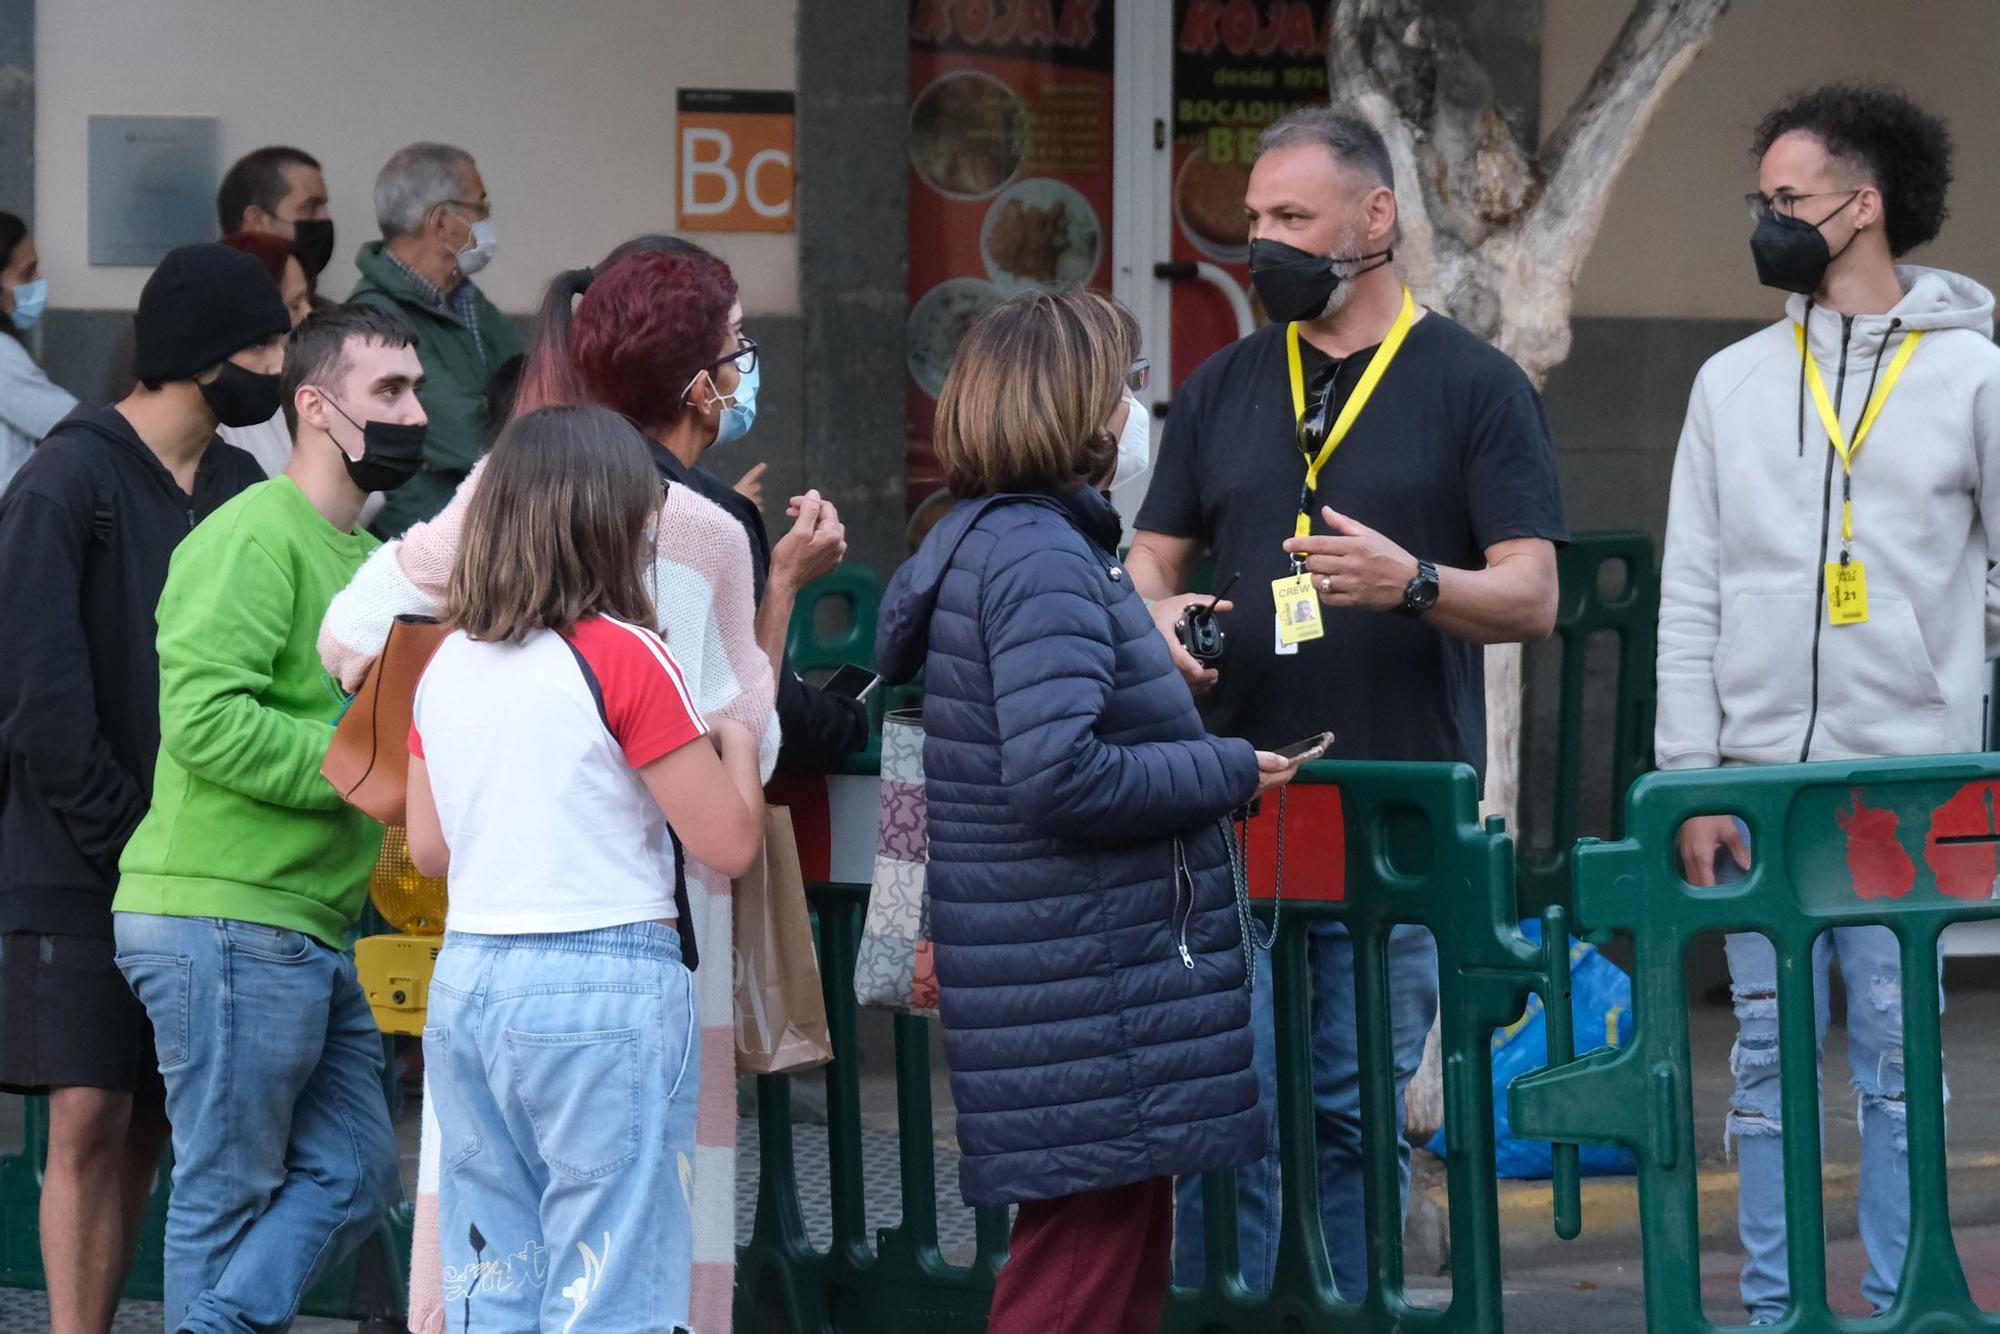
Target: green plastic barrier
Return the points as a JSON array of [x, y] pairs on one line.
[[1631, 614], [1911, 845], [857, 592], [1415, 852]]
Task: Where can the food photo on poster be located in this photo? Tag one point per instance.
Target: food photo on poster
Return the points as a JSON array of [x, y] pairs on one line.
[[1010, 144]]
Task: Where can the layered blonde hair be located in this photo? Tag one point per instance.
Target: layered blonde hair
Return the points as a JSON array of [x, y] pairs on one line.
[[1031, 388], [556, 531]]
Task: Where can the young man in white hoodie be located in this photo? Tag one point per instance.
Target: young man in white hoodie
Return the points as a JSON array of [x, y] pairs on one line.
[[1829, 589]]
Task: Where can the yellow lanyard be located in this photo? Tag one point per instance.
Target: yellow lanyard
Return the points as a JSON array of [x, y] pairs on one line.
[[1830, 419], [1377, 365]]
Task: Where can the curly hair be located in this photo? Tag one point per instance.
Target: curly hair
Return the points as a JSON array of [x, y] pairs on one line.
[[1904, 150]]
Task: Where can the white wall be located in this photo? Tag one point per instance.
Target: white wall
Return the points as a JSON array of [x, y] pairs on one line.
[[1676, 239], [568, 105]]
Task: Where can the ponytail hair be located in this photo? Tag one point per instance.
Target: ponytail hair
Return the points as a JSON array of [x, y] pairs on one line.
[[550, 378]]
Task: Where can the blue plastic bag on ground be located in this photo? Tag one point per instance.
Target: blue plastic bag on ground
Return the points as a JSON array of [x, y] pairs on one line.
[[1601, 1013]]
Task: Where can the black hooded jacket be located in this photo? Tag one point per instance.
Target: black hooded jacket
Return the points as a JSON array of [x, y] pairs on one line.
[[86, 529]]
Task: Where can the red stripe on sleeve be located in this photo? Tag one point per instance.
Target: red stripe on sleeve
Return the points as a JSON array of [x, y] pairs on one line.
[[646, 698]]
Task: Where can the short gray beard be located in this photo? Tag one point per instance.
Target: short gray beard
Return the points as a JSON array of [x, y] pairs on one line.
[[1344, 268]]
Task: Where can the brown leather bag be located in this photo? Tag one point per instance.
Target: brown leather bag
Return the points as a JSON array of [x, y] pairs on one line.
[[369, 760]]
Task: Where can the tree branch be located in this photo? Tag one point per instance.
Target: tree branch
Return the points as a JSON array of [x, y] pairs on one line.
[[1582, 159]]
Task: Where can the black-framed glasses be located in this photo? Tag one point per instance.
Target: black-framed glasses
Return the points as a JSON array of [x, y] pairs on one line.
[[745, 356], [1140, 376], [1786, 205]]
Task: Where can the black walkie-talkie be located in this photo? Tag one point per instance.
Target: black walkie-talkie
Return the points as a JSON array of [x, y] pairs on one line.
[[1200, 630]]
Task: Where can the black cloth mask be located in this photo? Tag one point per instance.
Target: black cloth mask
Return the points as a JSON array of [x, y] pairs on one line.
[[391, 452], [241, 398], [1791, 253], [1296, 284], [313, 244]]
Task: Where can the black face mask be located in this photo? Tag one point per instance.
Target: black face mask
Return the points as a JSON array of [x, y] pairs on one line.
[[241, 398], [1791, 254], [313, 244], [391, 453], [1296, 284]]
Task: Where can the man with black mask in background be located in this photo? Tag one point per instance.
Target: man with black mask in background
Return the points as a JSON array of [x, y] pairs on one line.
[[282, 192]]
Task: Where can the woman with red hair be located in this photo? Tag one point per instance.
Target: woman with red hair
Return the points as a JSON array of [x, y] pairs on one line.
[[270, 442], [654, 337]]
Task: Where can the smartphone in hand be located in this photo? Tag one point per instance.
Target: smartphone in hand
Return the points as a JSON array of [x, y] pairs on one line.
[[851, 682], [1299, 752]]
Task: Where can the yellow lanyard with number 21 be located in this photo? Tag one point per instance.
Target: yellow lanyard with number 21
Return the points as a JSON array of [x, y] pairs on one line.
[[1847, 579]]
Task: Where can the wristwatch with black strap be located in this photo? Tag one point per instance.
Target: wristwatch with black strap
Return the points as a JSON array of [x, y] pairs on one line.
[[1421, 593]]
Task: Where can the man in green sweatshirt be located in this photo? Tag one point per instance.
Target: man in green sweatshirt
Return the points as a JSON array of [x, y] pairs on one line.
[[239, 888]]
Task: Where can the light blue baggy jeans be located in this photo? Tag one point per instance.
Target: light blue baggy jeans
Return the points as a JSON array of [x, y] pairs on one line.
[[565, 1069]]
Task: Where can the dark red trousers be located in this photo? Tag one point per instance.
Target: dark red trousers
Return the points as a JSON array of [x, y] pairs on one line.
[[1094, 1263]]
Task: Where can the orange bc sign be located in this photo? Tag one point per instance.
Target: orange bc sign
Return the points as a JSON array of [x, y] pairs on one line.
[[734, 160]]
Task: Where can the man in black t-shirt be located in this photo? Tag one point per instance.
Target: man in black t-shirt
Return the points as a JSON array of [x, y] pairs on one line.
[[1425, 519]]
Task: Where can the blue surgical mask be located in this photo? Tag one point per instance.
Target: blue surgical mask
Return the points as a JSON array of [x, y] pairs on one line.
[[741, 414], [30, 300]]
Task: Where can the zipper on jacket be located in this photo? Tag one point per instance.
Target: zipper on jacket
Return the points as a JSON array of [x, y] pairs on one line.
[[1825, 515], [1180, 921]]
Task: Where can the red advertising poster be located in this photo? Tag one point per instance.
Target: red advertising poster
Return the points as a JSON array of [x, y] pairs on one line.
[[1010, 176], [1238, 66]]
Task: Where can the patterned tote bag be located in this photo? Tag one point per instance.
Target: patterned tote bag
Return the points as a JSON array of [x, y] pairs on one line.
[[894, 970]]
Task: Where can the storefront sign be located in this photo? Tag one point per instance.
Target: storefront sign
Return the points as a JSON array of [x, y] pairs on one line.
[[734, 161]]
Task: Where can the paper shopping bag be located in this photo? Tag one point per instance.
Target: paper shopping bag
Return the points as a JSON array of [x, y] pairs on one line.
[[780, 1009]]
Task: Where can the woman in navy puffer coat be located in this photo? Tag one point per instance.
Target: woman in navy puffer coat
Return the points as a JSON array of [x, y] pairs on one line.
[[1088, 952]]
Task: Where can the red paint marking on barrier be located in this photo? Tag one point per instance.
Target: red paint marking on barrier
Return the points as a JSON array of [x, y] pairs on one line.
[[1964, 864], [1879, 866], [1315, 845]]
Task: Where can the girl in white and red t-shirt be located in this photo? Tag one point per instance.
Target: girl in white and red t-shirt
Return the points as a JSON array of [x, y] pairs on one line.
[[558, 769]]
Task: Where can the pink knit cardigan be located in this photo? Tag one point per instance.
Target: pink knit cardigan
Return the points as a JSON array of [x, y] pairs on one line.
[[701, 585]]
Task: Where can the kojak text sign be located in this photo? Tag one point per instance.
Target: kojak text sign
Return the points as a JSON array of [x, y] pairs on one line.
[[734, 160]]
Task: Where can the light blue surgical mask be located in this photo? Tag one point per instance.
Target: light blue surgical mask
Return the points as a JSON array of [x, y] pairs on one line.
[[741, 414], [30, 300]]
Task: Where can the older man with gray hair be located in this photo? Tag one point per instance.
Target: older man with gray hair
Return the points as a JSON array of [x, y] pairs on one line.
[[437, 231]]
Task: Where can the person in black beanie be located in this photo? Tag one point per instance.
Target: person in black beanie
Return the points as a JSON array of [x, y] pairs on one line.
[[86, 528]]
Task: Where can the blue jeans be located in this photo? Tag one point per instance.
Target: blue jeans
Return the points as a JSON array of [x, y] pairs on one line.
[[565, 1069], [284, 1159], [1413, 994], [1871, 965]]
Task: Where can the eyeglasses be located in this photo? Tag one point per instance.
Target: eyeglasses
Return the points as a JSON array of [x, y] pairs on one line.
[[745, 356], [1786, 205], [1139, 376], [479, 209]]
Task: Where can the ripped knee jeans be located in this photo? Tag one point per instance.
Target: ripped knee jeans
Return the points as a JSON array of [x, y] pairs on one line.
[[1871, 967]]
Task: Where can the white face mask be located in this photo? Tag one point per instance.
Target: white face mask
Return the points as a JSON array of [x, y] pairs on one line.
[[479, 248], [1135, 443]]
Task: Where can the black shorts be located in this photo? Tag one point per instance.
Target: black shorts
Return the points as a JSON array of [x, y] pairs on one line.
[[68, 1019]]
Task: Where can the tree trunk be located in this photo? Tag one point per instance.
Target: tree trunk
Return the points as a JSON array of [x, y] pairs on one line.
[[1495, 231]]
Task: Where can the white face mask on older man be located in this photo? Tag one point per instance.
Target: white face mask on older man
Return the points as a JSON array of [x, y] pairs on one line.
[[1135, 443]]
